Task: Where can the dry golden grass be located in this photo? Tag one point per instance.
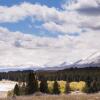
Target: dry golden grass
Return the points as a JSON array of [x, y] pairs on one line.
[[59, 97]]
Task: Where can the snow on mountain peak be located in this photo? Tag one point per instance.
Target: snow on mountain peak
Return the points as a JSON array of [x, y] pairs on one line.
[[91, 60]]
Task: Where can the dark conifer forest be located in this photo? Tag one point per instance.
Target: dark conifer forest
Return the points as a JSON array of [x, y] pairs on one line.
[[30, 79], [71, 74]]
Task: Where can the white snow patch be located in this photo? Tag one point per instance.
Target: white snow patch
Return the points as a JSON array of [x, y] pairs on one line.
[[6, 85]]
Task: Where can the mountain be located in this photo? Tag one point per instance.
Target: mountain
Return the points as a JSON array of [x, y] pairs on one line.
[[18, 68], [55, 68], [91, 61]]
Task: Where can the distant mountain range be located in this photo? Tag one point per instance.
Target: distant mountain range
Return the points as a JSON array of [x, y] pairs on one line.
[[91, 61]]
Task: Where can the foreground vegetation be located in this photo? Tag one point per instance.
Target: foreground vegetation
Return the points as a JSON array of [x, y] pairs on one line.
[[59, 97], [33, 85], [86, 80]]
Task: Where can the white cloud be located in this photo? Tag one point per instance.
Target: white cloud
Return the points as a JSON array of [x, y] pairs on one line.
[[90, 8], [77, 4], [87, 14], [20, 12], [60, 20], [72, 19], [33, 50], [62, 28]]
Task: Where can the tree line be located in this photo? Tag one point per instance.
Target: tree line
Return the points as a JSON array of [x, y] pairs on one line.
[[71, 74], [32, 86], [90, 75]]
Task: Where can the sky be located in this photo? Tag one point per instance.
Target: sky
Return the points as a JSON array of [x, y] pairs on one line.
[[48, 32]]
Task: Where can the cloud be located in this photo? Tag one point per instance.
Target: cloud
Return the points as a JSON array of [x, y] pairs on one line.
[[87, 14], [43, 13], [26, 49], [84, 6], [19, 49], [20, 12], [70, 20], [62, 28]]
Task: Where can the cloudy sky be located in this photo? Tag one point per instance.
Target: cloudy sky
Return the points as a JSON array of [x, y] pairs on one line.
[[48, 32]]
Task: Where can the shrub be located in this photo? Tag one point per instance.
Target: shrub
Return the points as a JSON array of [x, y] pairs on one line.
[[10, 93], [50, 86], [73, 86], [81, 85], [77, 86], [62, 85]]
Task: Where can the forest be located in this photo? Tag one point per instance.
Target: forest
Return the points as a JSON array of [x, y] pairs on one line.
[[67, 80], [70, 74]]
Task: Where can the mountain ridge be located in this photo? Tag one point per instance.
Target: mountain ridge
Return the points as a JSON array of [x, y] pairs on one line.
[[92, 60]]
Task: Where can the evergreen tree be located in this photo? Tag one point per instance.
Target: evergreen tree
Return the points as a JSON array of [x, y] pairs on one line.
[[88, 88], [67, 88], [32, 84], [22, 89], [93, 86], [16, 90], [56, 89], [44, 86], [98, 85]]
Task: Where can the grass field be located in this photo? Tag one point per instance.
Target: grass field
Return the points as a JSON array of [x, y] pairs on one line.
[[60, 97]]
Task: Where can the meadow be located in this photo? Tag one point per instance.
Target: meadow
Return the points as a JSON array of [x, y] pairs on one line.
[[74, 87], [59, 97]]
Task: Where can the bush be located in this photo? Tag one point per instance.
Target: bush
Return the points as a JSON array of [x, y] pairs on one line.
[[10, 93], [50, 86], [77, 86], [73, 86], [62, 85], [81, 85]]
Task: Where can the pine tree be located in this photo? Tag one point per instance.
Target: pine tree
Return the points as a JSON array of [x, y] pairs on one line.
[[56, 89], [16, 90], [22, 89], [93, 86], [87, 89], [32, 84], [67, 88], [44, 86]]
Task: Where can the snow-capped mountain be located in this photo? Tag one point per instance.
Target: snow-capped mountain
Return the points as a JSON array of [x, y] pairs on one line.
[[91, 61], [18, 68], [55, 68]]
